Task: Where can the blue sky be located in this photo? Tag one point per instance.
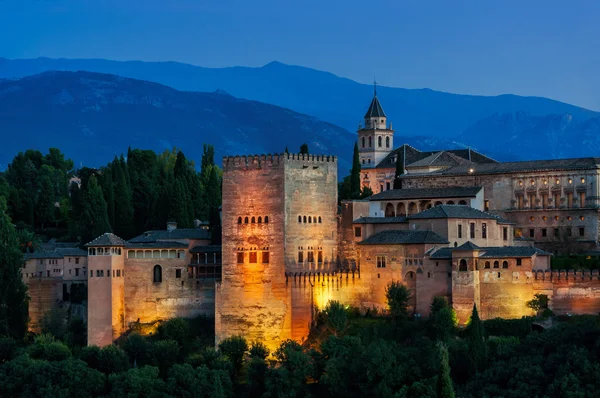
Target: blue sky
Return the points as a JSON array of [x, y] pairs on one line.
[[544, 48]]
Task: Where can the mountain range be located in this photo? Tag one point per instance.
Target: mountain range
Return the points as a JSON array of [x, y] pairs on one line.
[[506, 127]]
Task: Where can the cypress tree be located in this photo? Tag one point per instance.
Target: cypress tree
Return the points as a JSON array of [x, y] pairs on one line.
[[477, 347], [286, 149], [304, 149], [123, 200], [444, 381], [399, 171], [355, 174], [46, 211], [94, 218], [178, 205], [14, 311], [109, 195]]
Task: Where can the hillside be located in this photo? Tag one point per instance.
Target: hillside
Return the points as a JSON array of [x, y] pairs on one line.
[[93, 117], [424, 112]]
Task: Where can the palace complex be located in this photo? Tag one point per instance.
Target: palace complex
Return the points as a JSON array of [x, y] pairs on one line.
[[460, 225]]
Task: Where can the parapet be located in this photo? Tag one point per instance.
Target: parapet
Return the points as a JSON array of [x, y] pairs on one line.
[[256, 162], [569, 275]]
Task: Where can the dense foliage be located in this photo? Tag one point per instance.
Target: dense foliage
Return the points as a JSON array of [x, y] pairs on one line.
[[47, 196]]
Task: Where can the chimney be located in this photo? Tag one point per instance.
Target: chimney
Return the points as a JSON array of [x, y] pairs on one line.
[[171, 226]]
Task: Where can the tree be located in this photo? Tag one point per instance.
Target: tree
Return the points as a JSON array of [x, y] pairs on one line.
[[46, 210], [444, 381], [355, 174], [234, 348], [304, 149], [175, 329], [477, 347], [138, 382], [123, 199], [336, 317], [443, 319], [178, 204], [14, 301], [366, 192], [397, 296], [94, 218], [399, 171], [538, 303], [286, 150], [166, 353]]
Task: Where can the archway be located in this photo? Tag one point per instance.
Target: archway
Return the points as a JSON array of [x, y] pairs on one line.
[[389, 210], [463, 265], [401, 209], [438, 203], [157, 274], [450, 202], [412, 208], [462, 203]]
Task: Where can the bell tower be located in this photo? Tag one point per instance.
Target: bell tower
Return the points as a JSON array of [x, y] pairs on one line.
[[375, 138]]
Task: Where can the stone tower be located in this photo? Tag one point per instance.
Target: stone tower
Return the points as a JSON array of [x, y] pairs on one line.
[[106, 288], [279, 217], [375, 139]]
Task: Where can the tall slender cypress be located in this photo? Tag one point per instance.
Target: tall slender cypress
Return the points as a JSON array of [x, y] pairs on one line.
[[444, 381], [94, 218], [355, 174], [477, 347]]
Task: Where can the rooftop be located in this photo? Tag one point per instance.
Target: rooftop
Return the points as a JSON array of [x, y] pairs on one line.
[[404, 237], [380, 220], [206, 249], [413, 155], [427, 193], [107, 239], [157, 245], [175, 234], [375, 109], [493, 252], [454, 211]]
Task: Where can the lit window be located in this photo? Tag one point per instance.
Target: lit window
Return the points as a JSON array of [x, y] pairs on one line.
[[582, 180], [557, 181], [570, 181], [265, 257], [532, 182], [300, 257], [253, 257], [520, 183], [544, 218], [532, 218], [310, 256], [240, 257], [545, 182], [555, 218], [582, 218]]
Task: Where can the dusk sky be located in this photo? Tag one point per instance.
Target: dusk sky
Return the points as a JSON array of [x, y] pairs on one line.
[[544, 48]]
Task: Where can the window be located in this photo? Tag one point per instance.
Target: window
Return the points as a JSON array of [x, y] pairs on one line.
[[504, 264], [305, 219], [531, 233], [487, 264], [91, 274], [363, 143], [369, 160], [245, 220], [320, 220], [387, 142], [309, 219], [266, 219], [505, 233], [380, 261], [239, 220], [459, 231], [320, 256], [177, 273], [519, 261], [253, 257], [240, 257], [484, 231], [544, 232], [253, 220], [300, 257], [581, 231], [259, 219], [76, 271], [265, 257], [387, 186], [380, 187], [379, 141], [157, 274], [569, 231], [463, 265], [299, 219], [472, 230], [357, 232], [556, 233], [496, 264], [486, 205], [119, 273], [76, 260], [97, 273], [370, 144], [310, 256]]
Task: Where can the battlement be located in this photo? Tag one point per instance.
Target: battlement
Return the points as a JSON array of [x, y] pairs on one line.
[[570, 275], [256, 162]]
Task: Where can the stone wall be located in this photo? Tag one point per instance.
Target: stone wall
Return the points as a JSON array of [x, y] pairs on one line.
[[570, 291], [45, 294]]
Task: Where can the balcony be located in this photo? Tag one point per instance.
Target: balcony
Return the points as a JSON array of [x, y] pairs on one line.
[[204, 271]]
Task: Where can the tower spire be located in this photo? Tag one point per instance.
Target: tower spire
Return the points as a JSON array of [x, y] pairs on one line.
[[374, 87]]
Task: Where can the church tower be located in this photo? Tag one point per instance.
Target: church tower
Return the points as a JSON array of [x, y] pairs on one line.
[[375, 139]]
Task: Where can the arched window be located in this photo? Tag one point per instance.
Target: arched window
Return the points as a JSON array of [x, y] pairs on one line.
[[239, 220], [387, 142], [379, 141], [259, 219], [463, 265], [363, 142], [462, 202], [389, 210], [487, 264], [504, 264], [157, 273], [305, 219], [438, 203], [253, 220], [370, 142], [309, 219], [320, 220], [496, 264], [299, 218], [363, 161], [266, 219], [450, 202], [245, 220]]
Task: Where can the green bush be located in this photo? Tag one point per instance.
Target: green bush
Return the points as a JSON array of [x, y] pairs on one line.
[[508, 327]]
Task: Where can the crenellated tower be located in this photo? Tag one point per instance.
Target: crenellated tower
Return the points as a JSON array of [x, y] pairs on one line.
[[375, 138]]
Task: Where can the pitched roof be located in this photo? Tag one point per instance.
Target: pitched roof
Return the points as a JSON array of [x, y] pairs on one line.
[[494, 252], [403, 238], [469, 246], [380, 220], [206, 249], [440, 159], [157, 245], [375, 109], [178, 233], [413, 155], [427, 193], [42, 254], [517, 167], [71, 251], [452, 211], [107, 239]]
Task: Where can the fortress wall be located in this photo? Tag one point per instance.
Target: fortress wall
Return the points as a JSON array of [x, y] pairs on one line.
[[570, 291], [45, 294], [505, 296], [310, 191], [146, 301], [252, 299]]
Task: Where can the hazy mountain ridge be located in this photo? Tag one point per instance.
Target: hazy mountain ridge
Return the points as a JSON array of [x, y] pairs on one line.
[[423, 117]]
